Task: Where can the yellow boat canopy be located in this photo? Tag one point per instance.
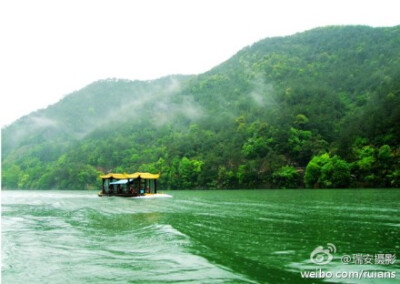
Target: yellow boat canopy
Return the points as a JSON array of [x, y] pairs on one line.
[[128, 176]]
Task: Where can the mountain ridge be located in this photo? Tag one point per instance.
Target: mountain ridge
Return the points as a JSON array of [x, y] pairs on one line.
[[252, 121]]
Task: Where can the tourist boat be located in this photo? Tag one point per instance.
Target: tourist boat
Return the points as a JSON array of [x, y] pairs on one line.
[[143, 185]]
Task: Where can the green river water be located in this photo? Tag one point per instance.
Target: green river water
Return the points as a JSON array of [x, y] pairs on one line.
[[253, 236]]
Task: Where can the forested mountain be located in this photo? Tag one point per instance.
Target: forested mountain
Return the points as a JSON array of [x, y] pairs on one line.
[[316, 109]]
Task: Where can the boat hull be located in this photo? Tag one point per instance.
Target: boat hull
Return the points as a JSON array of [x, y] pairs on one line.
[[146, 195]]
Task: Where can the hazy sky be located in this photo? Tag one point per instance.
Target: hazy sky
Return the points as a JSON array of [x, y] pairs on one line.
[[49, 48]]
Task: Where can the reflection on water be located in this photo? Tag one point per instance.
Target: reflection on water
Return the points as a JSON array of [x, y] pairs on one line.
[[196, 236]]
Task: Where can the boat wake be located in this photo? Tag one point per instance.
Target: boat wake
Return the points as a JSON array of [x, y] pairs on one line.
[[155, 195]]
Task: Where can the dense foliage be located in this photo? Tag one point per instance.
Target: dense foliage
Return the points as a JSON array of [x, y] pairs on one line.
[[316, 109]]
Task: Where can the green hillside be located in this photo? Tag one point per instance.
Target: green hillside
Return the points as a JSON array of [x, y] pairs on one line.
[[316, 109]]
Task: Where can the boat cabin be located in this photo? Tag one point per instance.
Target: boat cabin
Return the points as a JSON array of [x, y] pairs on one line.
[[129, 185]]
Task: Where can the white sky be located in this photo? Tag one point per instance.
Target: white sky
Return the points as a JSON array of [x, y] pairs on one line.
[[49, 48]]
